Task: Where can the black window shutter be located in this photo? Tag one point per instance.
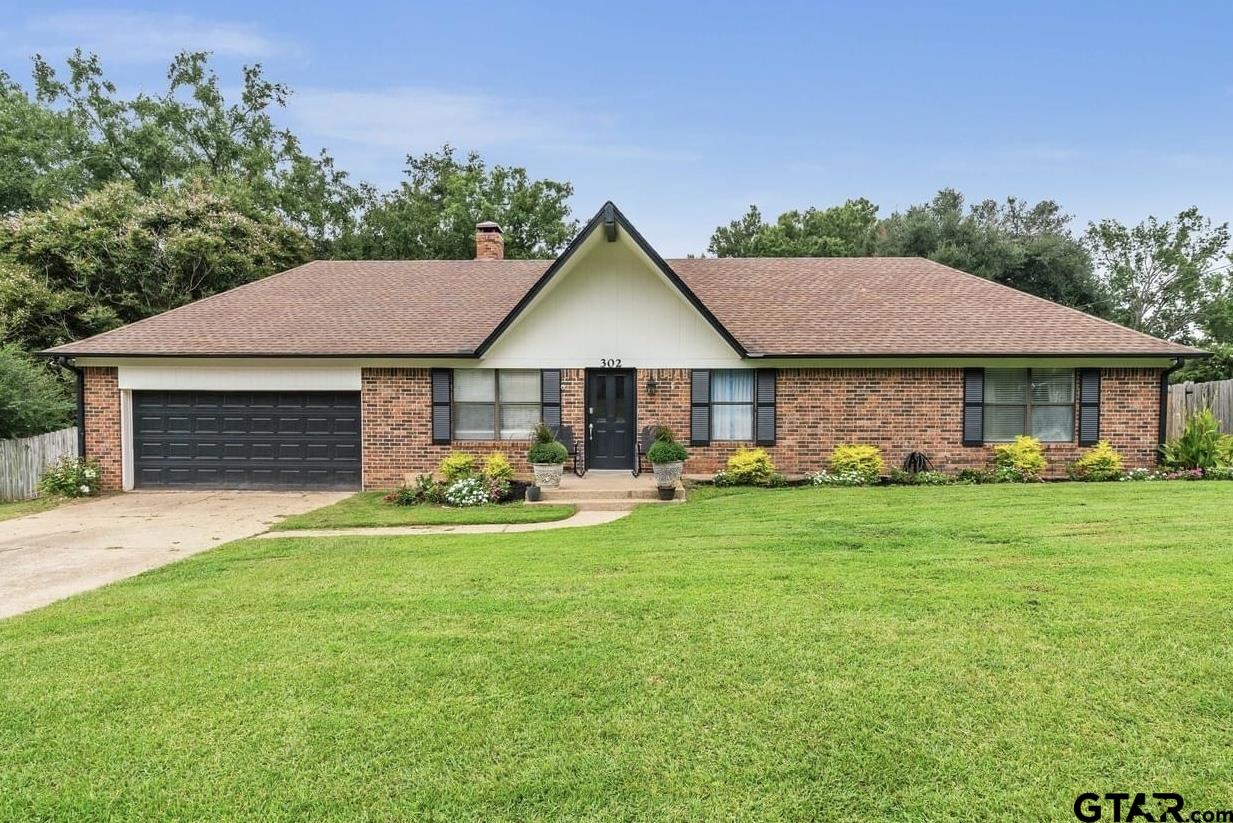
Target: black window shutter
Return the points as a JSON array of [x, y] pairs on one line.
[[700, 407], [442, 388], [550, 398], [1089, 406], [973, 407], [764, 411]]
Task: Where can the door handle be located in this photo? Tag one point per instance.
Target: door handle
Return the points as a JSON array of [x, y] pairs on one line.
[[590, 430]]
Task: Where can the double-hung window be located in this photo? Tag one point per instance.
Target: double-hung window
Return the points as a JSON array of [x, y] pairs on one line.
[[492, 404], [1039, 402], [732, 404]]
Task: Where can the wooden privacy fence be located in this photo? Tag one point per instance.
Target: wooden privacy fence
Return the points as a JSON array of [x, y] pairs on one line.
[[22, 461], [1187, 398]]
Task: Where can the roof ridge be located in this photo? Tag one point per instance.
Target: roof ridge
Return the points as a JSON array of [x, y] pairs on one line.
[[1055, 304]]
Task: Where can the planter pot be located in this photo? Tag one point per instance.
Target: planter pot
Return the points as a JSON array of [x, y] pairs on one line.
[[667, 475], [667, 492], [532, 493], [548, 475]]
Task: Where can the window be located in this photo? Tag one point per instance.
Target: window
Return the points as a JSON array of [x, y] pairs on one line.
[[488, 401], [732, 404], [1039, 402]]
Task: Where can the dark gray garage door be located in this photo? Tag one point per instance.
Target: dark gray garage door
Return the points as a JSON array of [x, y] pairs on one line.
[[247, 440]]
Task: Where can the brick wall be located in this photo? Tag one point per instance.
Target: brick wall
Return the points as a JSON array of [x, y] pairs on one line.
[[898, 410], [102, 407], [396, 406]]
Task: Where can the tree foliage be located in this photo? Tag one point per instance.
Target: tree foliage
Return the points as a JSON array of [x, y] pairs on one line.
[[849, 230], [32, 400], [116, 256], [1166, 277], [432, 215]]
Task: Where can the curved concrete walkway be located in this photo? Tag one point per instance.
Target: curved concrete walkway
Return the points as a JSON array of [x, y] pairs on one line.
[[582, 518]]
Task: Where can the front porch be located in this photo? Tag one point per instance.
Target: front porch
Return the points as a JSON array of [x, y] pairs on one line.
[[603, 490]]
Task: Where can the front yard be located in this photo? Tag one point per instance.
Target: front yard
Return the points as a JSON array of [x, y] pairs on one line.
[[819, 653], [19, 508], [371, 509]]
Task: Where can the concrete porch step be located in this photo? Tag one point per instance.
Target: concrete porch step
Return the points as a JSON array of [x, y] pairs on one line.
[[606, 504], [642, 492]]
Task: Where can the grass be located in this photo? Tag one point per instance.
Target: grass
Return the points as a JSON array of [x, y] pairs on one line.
[[370, 509], [18, 508], [893, 653]]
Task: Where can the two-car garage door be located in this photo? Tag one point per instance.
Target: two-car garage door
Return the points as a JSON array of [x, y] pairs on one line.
[[246, 440]]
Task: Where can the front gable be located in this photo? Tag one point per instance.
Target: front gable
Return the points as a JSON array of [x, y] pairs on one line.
[[610, 299]]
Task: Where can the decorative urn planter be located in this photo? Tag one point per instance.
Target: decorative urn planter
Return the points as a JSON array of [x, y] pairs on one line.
[[667, 475], [548, 475]]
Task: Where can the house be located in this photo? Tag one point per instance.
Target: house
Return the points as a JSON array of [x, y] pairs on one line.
[[355, 374]]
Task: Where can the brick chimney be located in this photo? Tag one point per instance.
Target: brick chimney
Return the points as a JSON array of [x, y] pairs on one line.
[[489, 243]]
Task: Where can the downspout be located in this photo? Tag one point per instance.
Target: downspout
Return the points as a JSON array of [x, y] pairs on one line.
[[1164, 403], [66, 363]]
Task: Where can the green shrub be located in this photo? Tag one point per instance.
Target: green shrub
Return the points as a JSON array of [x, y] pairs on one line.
[[1219, 473], [1224, 451], [550, 452], [666, 451], [32, 400], [1022, 461], [857, 458], [1199, 446], [750, 467], [426, 489], [456, 466], [497, 468], [843, 478], [70, 477], [899, 477], [1099, 463], [975, 477]]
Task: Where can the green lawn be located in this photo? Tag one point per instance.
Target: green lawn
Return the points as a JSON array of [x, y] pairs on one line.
[[17, 508], [370, 509], [913, 654]]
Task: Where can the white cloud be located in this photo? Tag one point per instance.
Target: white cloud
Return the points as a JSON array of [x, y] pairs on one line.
[[132, 36]]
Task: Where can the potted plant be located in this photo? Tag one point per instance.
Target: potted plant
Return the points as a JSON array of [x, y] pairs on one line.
[[667, 458], [547, 458], [532, 494]]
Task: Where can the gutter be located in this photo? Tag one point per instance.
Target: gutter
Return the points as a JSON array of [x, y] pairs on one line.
[[66, 363], [1163, 430]]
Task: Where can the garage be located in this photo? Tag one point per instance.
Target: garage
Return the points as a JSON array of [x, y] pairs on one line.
[[246, 439]]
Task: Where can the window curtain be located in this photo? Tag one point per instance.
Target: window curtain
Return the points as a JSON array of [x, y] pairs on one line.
[[732, 397]]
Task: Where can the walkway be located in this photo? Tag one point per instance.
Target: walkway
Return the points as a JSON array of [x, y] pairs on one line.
[[581, 518]]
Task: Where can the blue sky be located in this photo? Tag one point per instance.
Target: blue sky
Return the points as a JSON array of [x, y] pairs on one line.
[[685, 115]]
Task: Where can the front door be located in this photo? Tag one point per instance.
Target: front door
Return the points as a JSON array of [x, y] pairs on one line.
[[610, 420]]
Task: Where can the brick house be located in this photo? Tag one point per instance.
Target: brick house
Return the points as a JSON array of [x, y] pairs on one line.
[[355, 374]]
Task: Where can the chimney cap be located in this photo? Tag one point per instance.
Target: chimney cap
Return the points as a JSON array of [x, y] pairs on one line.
[[488, 226]]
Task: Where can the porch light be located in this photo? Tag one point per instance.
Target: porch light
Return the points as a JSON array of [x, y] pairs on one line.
[[652, 385]]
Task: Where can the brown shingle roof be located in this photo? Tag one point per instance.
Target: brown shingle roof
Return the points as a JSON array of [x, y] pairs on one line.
[[771, 306]]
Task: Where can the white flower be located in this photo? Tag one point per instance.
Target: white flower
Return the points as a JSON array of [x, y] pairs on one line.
[[85, 489]]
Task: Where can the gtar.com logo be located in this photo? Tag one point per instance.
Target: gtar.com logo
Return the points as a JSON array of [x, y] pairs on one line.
[[1124, 807]]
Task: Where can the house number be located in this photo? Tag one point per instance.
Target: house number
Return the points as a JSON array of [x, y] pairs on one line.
[[610, 363]]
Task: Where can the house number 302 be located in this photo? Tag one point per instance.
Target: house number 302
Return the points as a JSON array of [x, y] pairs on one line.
[[610, 362]]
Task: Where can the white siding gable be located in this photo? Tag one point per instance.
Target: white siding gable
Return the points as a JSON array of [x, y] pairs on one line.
[[610, 302]]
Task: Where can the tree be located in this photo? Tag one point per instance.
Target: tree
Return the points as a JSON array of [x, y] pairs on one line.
[[432, 215], [1026, 247], [117, 256], [1165, 277], [1217, 367], [848, 230], [85, 132], [39, 153], [32, 400]]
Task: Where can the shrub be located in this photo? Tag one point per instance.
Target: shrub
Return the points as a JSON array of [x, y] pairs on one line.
[[666, 451], [551, 452], [426, 489], [1097, 464], [456, 466], [858, 458], [1137, 475], [32, 400], [468, 491], [1219, 473], [1198, 447], [1022, 461], [843, 478], [750, 467], [70, 477], [1224, 451], [497, 468], [928, 477], [975, 477]]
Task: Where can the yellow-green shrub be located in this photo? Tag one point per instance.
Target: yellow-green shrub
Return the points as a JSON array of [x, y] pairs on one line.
[[456, 466], [857, 459], [750, 467], [1020, 461], [1101, 462], [497, 467]]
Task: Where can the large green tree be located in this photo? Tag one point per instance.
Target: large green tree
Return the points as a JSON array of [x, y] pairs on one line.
[[432, 215], [32, 400], [849, 230], [81, 133], [1169, 278], [116, 256]]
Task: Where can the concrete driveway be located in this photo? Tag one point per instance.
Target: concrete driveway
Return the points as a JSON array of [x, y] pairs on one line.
[[83, 545]]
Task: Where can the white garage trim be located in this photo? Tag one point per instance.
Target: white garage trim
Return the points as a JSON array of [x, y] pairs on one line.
[[126, 439], [239, 378]]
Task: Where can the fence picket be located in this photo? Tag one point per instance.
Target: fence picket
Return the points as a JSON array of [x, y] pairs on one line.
[[1187, 398], [22, 461]]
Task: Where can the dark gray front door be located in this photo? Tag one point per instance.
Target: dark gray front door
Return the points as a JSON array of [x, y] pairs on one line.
[[610, 420], [246, 440]]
